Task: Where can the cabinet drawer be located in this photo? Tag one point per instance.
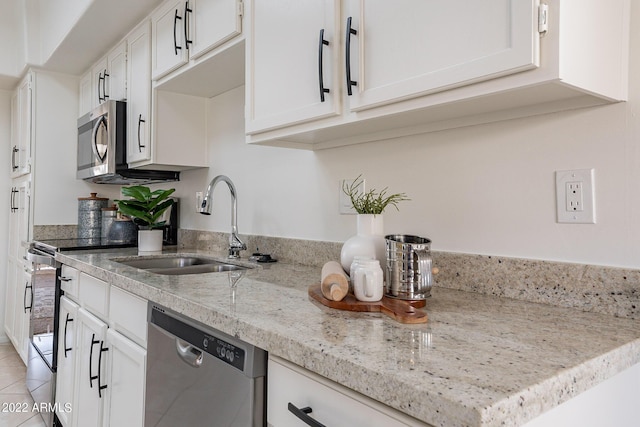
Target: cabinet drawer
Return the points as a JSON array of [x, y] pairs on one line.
[[128, 315], [69, 282], [94, 295], [331, 403]]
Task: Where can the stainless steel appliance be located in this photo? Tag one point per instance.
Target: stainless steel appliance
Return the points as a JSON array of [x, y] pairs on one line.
[[42, 299], [197, 376], [408, 273], [102, 149], [41, 361]]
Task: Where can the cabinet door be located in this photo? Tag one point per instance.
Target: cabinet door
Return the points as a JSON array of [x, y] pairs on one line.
[[88, 394], [168, 50], [67, 350], [283, 63], [407, 48], [126, 371], [211, 23], [116, 78], [99, 81], [21, 129], [86, 97], [22, 311], [139, 95], [10, 298], [331, 404]]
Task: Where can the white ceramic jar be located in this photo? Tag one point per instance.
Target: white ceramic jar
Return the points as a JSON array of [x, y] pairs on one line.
[[368, 281]]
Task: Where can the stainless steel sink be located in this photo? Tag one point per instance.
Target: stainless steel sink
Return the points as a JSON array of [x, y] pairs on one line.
[[177, 265]]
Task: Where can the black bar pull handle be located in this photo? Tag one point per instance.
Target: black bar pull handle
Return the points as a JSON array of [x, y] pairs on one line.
[[321, 44], [187, 10], [91, 376], [302, 413], [13, 199], [140, 146], [24, 297], [104, 85], [14, 151], [66, 322], [175, 38], [100, 79], [100, 385], [347, 50]]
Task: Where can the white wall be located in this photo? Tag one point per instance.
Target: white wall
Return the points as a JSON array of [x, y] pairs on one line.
[[11, 41], [487, 189], [5, 188]]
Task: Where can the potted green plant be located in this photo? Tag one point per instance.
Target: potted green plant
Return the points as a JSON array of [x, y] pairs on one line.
[[145, 208], [370, 205]]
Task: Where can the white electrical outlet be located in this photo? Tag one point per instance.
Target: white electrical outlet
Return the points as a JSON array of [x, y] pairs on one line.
[[345, 206], [575, 196], [198, 200]]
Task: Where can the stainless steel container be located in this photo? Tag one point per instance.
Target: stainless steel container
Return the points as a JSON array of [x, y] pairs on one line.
[[122, 231], [108, 216], [90, 217], [408, 273]]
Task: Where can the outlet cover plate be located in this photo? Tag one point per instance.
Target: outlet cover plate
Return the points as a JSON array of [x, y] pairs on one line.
[[345, 206], [575, 196]]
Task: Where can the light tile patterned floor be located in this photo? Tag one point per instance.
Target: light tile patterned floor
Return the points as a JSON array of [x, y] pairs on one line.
[[15, 401]]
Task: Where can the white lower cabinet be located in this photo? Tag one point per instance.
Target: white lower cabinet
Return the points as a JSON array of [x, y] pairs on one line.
[[90, 370], [328, 403], [101, 358], [67, 349], [124, 405]]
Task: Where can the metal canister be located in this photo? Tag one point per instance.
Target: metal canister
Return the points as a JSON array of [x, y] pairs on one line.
[[108, 216], [408, 273], [90, 217]]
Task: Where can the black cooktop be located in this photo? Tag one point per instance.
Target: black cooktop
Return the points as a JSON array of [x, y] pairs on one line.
[[61, 245]]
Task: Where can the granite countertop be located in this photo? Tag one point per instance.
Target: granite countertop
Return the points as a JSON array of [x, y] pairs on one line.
[[479, 361]]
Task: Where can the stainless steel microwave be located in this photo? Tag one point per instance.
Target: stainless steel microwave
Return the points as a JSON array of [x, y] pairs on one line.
[[102, 149]]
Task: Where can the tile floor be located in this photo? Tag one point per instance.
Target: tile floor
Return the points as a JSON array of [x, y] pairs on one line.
[[15, 400]]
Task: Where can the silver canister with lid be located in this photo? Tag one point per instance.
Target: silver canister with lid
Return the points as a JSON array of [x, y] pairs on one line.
[[90, 217], [108, 216]]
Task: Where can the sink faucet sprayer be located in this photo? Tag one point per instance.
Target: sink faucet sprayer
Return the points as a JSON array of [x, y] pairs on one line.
[[235, 244]]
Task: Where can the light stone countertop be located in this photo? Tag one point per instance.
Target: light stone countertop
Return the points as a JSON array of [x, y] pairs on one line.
[[479, 361]]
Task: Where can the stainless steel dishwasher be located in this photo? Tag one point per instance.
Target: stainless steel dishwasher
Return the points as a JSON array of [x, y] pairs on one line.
[[197, 376]]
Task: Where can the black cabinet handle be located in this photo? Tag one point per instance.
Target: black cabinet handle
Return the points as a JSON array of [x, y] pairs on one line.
[[348, 56], [64, 279], [104, 85], [66, 349], [24, 297], [302, 413], [186, 25], [100, 78], [14, 151], [13, 199], [321, 44], [91, 376], [140, 146], [175, 38], [100, 385]]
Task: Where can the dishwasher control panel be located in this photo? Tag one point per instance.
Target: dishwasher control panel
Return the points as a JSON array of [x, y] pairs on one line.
[[224, 351]]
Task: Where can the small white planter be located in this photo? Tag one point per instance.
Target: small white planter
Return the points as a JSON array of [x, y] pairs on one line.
[[149, 242]]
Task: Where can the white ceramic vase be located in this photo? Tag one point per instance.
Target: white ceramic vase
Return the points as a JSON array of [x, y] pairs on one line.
[[369, 241], [149, 241]]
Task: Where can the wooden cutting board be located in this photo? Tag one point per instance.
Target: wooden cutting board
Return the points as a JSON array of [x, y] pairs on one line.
[[399, 310]]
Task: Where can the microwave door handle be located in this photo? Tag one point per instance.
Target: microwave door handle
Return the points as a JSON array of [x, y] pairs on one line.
[[94, 142]]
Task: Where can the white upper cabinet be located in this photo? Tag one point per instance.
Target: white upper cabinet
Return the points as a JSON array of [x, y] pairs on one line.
[[139, 94], [187, 30], [167, 30], [210, 23], [409, 48], [21, 122], [293, 73], [411, 67], [86, 96], [109, 76]]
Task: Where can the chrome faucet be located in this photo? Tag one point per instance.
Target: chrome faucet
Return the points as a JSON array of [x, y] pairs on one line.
[[235, 244]]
